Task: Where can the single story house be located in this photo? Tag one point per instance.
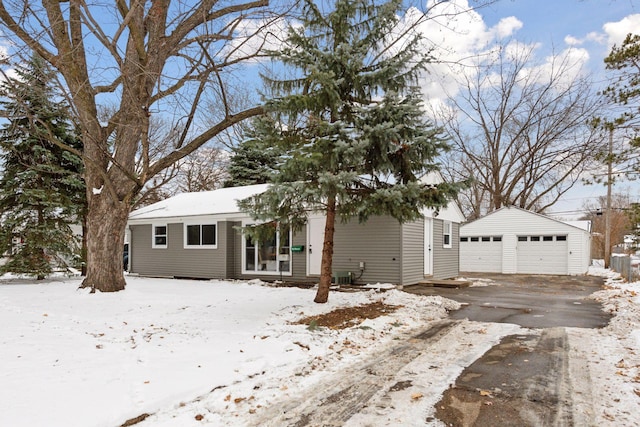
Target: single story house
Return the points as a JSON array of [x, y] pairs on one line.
[[514, 240], [198, 235]]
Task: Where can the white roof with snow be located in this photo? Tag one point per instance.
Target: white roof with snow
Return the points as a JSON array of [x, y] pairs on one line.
[[503, 218], [224, 202], [216, 202], [584, 224]]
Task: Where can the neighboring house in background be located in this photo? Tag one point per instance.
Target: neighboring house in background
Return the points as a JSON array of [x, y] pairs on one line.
[[514, 240], [197, 235]]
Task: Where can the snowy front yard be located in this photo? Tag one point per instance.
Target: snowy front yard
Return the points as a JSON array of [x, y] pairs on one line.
[[219, 353]]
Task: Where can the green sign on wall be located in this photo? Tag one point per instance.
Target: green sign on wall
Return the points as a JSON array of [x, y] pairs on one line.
[[297, 248]]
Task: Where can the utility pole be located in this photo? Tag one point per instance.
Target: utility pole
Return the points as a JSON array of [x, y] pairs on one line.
[[607, 213]]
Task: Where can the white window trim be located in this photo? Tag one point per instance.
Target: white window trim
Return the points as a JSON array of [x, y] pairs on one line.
[[448, 224], [201, 223], [266, 273], [153, 236]]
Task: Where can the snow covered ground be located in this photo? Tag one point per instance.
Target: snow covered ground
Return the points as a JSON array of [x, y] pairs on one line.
[[192, 353]]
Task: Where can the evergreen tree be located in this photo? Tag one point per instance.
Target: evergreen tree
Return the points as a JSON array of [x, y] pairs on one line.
[[624, 62], [350, 125], [41, 189], [622, 121], [254, 159]]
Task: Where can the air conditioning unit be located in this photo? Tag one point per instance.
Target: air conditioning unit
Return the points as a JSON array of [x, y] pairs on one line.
[[341, 277]]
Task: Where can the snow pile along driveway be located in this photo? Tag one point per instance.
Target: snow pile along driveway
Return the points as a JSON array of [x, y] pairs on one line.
[[70, 358], [612, 354]]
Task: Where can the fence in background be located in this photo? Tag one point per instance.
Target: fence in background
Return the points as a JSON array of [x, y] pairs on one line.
[[623, 265]]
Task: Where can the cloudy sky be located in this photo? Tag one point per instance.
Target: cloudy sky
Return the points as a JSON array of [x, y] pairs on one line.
[[582, 30], [593, 24], [593, 27]]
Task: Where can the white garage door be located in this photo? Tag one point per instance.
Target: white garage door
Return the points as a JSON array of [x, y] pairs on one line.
[[545, 254], [481, 254]]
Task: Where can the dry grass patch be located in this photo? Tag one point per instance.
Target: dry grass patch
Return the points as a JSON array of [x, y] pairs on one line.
[[343, 318]]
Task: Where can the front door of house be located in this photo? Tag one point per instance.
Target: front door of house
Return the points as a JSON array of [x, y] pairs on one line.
[[428, 247], [315, 240]]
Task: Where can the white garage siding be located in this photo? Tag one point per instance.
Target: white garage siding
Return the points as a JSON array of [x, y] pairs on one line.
[[548, 251], [531, 243], [481, 253]]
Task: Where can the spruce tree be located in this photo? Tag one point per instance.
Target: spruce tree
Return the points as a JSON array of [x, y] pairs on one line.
[[624, 91], [254, 160], [41, 189], [350, 125]]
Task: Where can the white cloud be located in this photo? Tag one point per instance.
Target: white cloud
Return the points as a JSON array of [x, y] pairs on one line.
[[460, 39], [591, 37], [572, 41], [7, 72], [507, 27], [515, 48], [563, 68], [455, 29], [617, 31], [253, 35], [596, 37]]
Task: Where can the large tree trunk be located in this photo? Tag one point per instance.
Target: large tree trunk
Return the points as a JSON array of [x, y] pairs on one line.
[[106, 223], [322, 295], [83, 250]]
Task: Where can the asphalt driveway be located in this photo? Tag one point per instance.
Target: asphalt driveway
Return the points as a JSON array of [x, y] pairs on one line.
[[528, 376], [531, 301]]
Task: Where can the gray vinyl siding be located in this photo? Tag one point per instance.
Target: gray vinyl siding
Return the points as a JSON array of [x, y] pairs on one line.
[[392, 253], [175, 260], [139, 247], [446, 261], [299, 259], [412, 252], [376, 242], [236, 272], [234, 257]]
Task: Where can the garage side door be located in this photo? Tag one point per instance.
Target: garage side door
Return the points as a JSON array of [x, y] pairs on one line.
[[542, 254], [482, 254]]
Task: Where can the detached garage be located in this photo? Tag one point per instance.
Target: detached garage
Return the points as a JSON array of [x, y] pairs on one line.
[[513, 240]]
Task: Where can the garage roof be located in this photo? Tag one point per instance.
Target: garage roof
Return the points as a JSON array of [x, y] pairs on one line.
[[498, 217]]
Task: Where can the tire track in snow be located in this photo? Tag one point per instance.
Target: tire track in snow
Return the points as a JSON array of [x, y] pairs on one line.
[[338, 398]]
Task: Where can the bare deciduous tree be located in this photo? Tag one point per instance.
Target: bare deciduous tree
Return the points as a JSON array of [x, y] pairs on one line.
[[148, 58], [620, 222], [202, 170], [521, 129]]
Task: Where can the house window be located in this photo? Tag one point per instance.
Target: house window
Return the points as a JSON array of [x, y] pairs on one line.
[[535, 238], [474, 239], [271, 253], [159, 237], [522, 238], [464, 239], [486, 238], [547, 238], [446, 235], [561, 238], [497, 238], [200, 236]]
